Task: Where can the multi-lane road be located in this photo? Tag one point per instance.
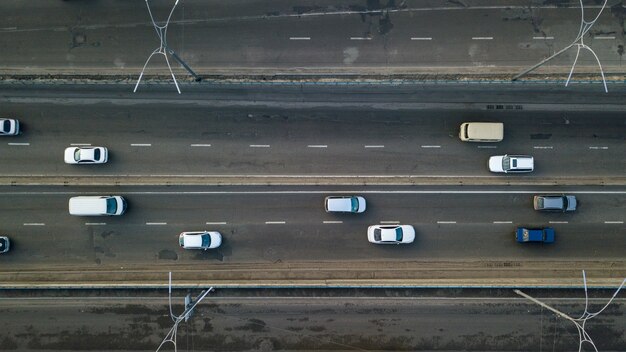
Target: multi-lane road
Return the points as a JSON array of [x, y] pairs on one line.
[[377, 37], [297, 321], [379, 145]]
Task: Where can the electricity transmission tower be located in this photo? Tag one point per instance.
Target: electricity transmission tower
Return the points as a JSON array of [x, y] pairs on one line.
[[163, 49], [579, 42], [185, 315], [583, 336]]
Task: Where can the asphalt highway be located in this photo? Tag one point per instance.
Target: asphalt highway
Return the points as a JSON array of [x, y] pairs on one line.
[[78, 37], [484, 323], [384, 130]]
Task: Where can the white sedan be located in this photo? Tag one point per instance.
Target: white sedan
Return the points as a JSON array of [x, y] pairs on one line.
[[200, 240], [86, 155], [9, 127], [511, 163], [390, 234]]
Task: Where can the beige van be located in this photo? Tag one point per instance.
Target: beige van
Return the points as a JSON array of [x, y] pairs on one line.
[[481, 131]]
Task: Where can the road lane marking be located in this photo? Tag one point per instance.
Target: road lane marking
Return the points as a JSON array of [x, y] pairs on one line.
[[542, 147], [259, 145], [421, 38], [446, 222], [80, 144], [607, 37], [482, 38], [596, 148], [360, 38], [141, 145], [557, 222], [390, 222], [200, 145], [374, 146], [317, 146], [549, 38], [431, 146], [613, 222], [215, 223], [156, 223], [34, 224], [333, 222], [274, 222], [299, 38], [487, 146], [503, 222], [19, 143], [328, 191], [95, 223]]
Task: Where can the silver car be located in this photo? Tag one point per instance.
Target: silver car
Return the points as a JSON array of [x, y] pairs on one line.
[[552, 202]]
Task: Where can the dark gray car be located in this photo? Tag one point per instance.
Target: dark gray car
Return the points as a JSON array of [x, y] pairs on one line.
[[559, 202]]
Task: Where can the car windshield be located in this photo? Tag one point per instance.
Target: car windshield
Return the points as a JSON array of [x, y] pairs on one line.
[[111, 206], [181, 240], [540, 202], [377, 234], [399, 234], [506, 163], [5, 126], [96, 154], [206, 240], [355, 204], [77, 154]]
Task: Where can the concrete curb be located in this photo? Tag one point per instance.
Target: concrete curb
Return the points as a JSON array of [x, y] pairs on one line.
[[305, 180]]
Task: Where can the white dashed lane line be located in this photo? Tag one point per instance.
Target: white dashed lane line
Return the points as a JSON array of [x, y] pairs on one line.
[[333, 222], [503, 222], [597, 148], [299, 38], [360, 38], [421, 38], [446, 222], [317, 146], [542, 147], [259, 145], [431, 146], [215, 223], [543, 38], [557, 222], [95, 223], [34, 224], [274, 222], [613, 222], [19, 143], [141, 145], [373, 146], [482, 38], [156, 223], [80, 144], [200, 145], [605, 38], [487, 146], [390, 222]]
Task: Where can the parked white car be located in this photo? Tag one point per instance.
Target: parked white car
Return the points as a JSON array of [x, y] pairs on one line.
[[86, 155], [9, 127], [511, 163], [391, 234], [200, 240]]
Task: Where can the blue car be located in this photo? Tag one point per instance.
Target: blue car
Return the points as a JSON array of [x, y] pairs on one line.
[[545, 235]]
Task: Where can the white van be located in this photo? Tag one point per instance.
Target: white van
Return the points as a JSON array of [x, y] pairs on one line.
[[97, 205], [344, 204], [481, 131]]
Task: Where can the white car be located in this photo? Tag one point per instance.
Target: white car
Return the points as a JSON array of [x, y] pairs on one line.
[[344, 204], [200, 240], [391, 234], [86, 155], [511, 163], [9, 127]]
